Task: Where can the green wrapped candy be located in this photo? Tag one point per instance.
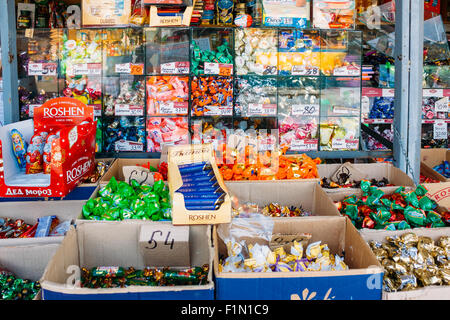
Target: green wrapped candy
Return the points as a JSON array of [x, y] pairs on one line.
[[126, 213], [106, 191], [374, 198], [158, 186], [119, 201], [426, 204], [350, 199], [137, 204], [152, 208], [381, 216], [399, 190], [352, 211], [111, 214], [134, 184], [389, 227], [125, 190], [101, 207], [402, 225], [365, 186], [421, 191], [434, 218], [166, 213], [411, 198], [415, 216], [387, 203]]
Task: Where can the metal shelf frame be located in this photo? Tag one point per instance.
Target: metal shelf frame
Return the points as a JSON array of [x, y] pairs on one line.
[[408, 89]]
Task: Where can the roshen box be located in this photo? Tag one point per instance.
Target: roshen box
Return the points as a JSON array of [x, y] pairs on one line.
[[31, 211], [117, 244], [189, 154], [307, 194], [359, 282], [366, 171], [425, 293]]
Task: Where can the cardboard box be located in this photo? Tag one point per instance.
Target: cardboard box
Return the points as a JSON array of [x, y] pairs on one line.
[[27, 261], [187, 154], [116, 244], [341, 237], [30, 212], [109, 162], [425, 293], [72, 154], [376, 171], [433, 157], [307, 194], [116, 169]]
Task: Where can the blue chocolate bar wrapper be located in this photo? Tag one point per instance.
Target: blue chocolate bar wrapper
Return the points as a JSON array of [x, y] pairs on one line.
[[43, 228]]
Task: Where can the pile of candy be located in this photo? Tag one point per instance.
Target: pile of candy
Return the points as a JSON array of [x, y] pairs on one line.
[[118, 277], [384, 130], [411, 262], [208, 94], [443, 168], [47, 226], [263, 259], [13, 288], [337, 130], [276, 210], [199, 57], [124, 129], [254, 91], [121, 201], [382, 108], [28, 98], [123, 91], [170, 131], [200, 188], [99, 171], [424, 179], [264, 166], [429, 110], [397, 211], [325, 183], [160, 170], [167, 95]]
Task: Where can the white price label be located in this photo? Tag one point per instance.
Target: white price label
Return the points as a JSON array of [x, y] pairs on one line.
[[347, 144], [123, 68], [175, 68], [254, 109], [305, 109], [304, 71], [261, 109], [170, 107], [42, 69], [128, 110], [211, 68], [347, 71], [219, 111], [31, 109], [441, 105], [388, 93], [365, 104], [222, 69], [440, 129], [88, 69], [304, 145], [123, 145], [97, 110]]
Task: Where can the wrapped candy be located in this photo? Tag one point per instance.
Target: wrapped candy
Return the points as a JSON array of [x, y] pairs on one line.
[[99, 171], [256, 96], [47, 157], [221, 55], [412, 261], [345, 182], [14, 288], [34, 155], [122, 201], [19, 147], [256, 51], [124, 91], [443, 168], [424, 179], [168, 131], [124, 134], [339, 134], [398, 211], [10, 228], [299, 133], [382, 108], [167, 95], [212, 96], [275, 210], [161, 169]]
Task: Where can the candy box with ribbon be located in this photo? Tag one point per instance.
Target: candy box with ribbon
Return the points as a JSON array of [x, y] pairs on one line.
[[197, 191], [61, 150]]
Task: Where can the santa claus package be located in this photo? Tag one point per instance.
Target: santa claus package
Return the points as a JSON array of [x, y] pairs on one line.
[[48, 156]]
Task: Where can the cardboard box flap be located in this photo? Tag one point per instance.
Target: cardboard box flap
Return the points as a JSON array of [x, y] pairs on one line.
[[347, 171], [115, 170], [27, 261]]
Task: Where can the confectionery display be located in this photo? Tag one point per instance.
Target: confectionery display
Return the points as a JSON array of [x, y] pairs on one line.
[[425, 179], [168, 131], [412, 262], [443, 168], [271, 210], [14, 288], [397, 211], [122, 201], [47, 226], [119, 277], [160, 172], [345, 182]]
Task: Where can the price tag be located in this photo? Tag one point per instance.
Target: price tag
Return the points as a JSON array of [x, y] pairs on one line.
[[163, 244], [347, 144], [305, 109], [261, 109], [137, 69], [88, 69], [254, 109], [42, 69], [97, 110], [345, 111], [31, 109], [218, 68], [181, 67], [440, 129], [128, 110], [219, 111], [123, 68], [441, 105], [170, 107], [388, 93], [304, 145], [365, 105], [123, 145], [347, 71], [304, 71]]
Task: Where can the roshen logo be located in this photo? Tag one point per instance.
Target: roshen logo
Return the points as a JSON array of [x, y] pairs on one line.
[[78, 171], [63, 112]]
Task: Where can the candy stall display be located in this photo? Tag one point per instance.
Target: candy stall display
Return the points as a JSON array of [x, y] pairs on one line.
[[15, 288], [125, 133], [213, 130], [167, 95], [38, 69], [167, 51], [299, 52], [334, 14], [339, 133], [123, 95], [298, 112], [340, 97], [166, 131], [211, 96], [256, 51], [341, 52], [385, 130], [256, 96]]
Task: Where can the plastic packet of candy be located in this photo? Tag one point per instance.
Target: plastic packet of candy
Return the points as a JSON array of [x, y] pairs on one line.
[[340, 97], [256, 96], [299, 96], [256, 51], [167, 95], [166, 131], [124, 96], [299, 133], [61, 229], [299, 52], [124, 134], [334, 14], [385, 130], [212, 96], [339, 133]]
